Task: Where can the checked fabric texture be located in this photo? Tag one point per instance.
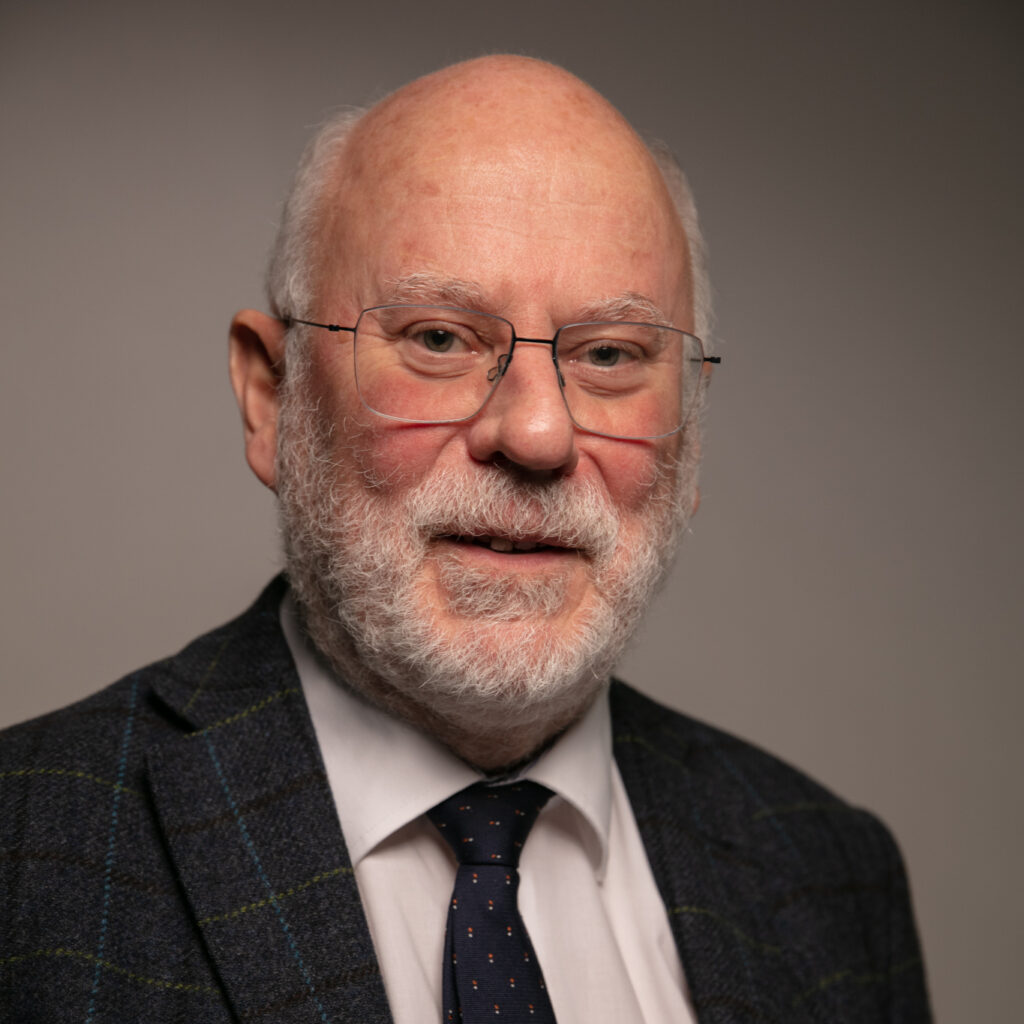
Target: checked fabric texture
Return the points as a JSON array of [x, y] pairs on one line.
[[490, 969]]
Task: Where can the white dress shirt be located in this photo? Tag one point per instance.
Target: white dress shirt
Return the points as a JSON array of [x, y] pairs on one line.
[[587, 895]]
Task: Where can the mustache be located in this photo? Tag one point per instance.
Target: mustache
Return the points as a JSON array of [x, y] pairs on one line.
[[562, 513]]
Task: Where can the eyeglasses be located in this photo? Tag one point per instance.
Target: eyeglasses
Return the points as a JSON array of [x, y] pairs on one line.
[[440, 364]]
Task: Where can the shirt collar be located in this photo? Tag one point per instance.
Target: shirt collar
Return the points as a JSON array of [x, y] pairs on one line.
[[384, 773]]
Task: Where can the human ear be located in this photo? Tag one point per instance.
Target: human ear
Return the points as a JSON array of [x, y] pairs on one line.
[[256, 356]]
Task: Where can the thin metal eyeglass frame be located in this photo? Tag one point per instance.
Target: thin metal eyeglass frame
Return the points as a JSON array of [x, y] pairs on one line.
[[498, 371]]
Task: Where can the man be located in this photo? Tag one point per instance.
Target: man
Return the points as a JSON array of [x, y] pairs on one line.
[[477, 400]]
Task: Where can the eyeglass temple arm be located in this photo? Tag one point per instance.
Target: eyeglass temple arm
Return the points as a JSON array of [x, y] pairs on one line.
[[289, 320]]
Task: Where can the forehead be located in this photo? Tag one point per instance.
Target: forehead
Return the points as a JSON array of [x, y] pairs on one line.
[[535, 218]]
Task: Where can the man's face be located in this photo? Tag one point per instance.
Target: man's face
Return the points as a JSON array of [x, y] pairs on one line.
[[496, 565]]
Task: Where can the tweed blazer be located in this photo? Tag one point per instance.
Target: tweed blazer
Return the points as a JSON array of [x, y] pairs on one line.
[[170, 852]]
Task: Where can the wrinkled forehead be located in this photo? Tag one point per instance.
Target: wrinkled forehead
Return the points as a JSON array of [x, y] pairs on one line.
[[537, 184]]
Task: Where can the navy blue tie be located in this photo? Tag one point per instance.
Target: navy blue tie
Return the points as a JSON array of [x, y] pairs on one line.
[[490, 971]]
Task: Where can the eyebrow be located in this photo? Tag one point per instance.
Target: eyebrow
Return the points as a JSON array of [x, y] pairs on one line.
[[433, 289], [629, 306]]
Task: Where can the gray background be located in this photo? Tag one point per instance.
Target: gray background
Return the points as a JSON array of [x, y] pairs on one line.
[[851, 594]]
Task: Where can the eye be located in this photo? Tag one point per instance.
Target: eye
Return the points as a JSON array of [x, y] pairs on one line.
[[436, 339], [440, 338], [608, 354], [604, 355]]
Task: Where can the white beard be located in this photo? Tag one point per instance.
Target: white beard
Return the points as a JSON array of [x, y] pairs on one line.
[[359, 558]]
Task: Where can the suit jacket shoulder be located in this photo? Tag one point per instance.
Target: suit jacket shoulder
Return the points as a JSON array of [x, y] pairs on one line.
[[762, 869], [169, 850]]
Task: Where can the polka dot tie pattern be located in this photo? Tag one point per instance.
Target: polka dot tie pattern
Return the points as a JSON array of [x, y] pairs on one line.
[[490, 970]]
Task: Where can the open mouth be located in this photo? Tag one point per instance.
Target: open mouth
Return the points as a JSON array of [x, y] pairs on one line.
[[508, 546]]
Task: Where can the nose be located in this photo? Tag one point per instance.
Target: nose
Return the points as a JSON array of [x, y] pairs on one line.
[[526, 421]]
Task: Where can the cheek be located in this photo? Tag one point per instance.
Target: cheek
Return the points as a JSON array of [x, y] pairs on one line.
[[387, 454], [632, 472], [393, 456]]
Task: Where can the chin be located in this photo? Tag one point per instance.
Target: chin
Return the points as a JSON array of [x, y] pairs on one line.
[[506, 662]]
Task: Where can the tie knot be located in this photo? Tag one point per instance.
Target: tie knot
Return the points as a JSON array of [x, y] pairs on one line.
[[489, 824]]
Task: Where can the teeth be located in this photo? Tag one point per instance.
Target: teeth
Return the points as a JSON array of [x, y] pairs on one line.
[[505, 545]]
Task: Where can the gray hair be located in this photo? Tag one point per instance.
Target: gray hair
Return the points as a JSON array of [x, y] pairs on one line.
[[289, 273]]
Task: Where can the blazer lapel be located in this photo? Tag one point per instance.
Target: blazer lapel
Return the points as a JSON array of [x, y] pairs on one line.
[[250, 824], [718, 890]]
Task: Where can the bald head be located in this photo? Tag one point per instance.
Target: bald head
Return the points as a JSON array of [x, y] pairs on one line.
[[501, 102], [511, 129]]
